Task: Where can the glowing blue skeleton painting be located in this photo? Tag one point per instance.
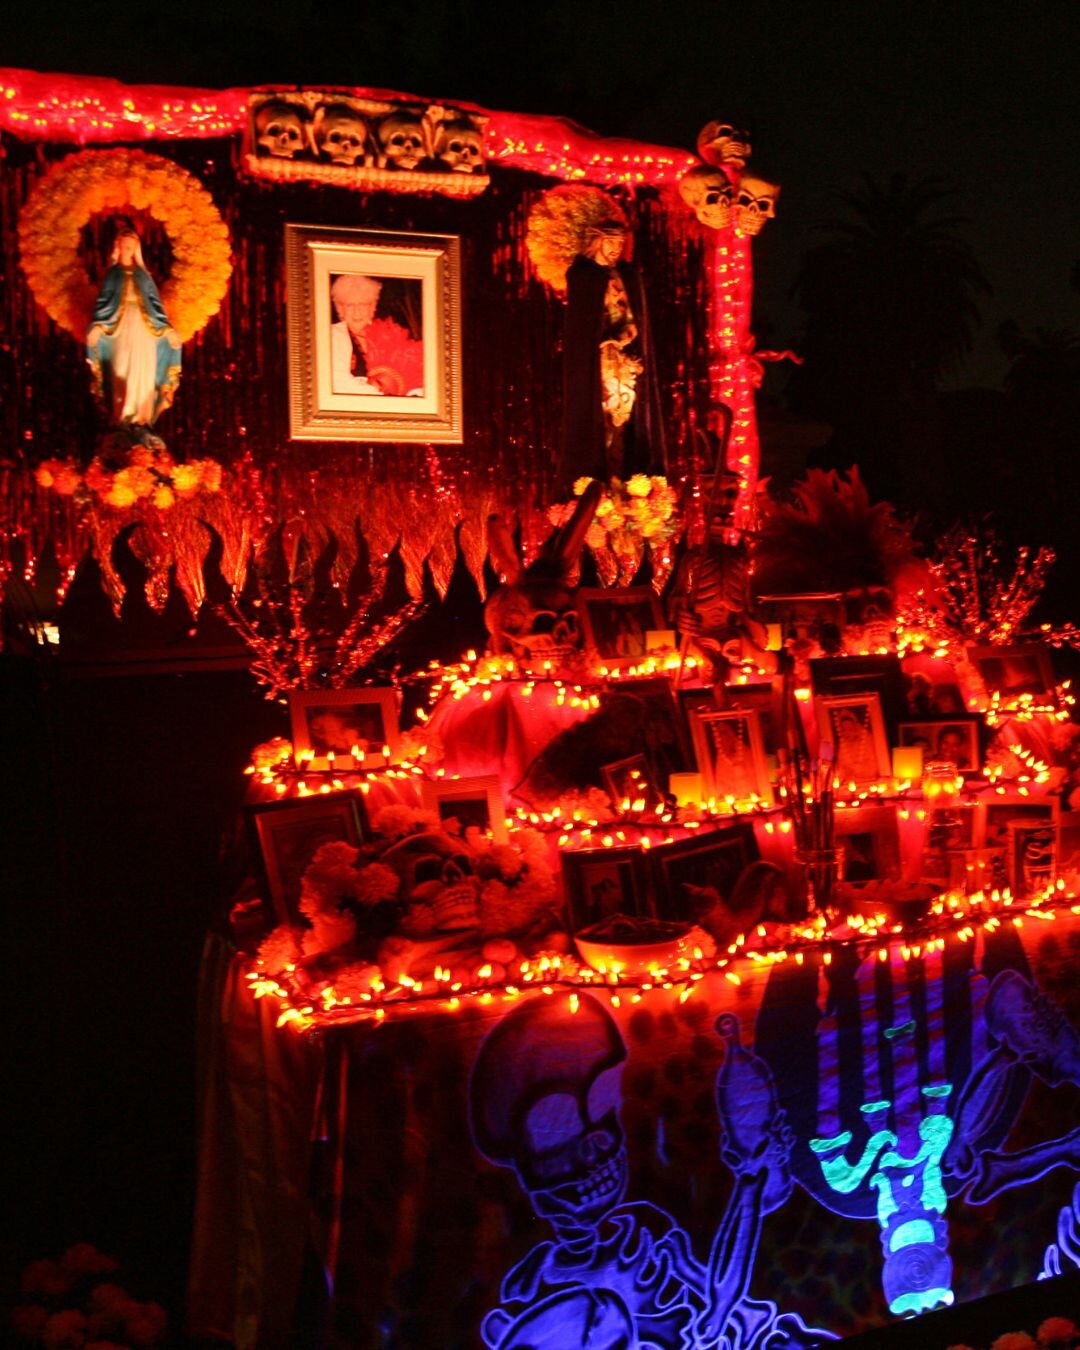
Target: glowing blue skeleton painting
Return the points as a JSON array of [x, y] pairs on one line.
[[618, 1274], [903, 1079]]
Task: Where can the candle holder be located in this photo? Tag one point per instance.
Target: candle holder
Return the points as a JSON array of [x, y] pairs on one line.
[[823, 869]]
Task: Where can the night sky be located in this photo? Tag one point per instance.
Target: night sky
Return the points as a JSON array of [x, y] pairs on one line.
[[983, 96]]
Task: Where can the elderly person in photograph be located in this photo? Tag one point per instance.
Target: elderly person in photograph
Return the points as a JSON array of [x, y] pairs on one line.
[[370, 355]]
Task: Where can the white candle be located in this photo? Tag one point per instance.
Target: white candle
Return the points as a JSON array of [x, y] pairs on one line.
[[688, 789], [775, 639], [907, 763]]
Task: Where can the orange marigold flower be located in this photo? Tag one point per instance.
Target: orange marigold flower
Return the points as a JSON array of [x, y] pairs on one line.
[[98, 479], [640, 485], [163, 497], [67, 480], [120, 494], [44, 473], [210, 471], [186, 480]]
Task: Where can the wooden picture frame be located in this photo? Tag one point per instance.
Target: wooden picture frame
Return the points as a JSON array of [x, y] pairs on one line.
[[945, 740], [870, 838], [994, 835], [1013, 671], [614, 621], [325, 720], [731, 754], [838, 676], [601, 882], [630, 780], [285, 836], [855, 726], [470, 801], [711, 859], [374, 335]]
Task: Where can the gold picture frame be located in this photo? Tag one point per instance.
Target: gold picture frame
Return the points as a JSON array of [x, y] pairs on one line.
[[394, 375]]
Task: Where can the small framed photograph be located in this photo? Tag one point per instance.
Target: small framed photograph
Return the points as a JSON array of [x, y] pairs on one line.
[[870, 838], [614, 621], [712, 861], [1014, 671], [766, 699], [731, 754], [1031, 862], [833, 677], [630, 784], [374, 335], [931, 688], [464, 803], [995, 832], [811, 624], [287, 834], [602, 882], [352, 725], [954, 741], [855, 726]]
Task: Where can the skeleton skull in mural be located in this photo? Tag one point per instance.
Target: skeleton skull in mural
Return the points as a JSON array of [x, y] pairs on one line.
[[279, 129], [544, 1096], [459, 146], [401, 140], [340, 134], [533, 616], [724, 143], [707, 192], [437, 883], [755, 203]]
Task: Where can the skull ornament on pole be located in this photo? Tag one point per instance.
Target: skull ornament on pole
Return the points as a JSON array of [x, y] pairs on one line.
[[724, 144], [709, 194], [755, 203]]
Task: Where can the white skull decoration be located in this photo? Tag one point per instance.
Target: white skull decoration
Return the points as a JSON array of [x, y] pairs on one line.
[[279, 129], [724, 143], [340, 134], [459, 147], [755, 203], [401, 141], [435, 872], [533, 615], [707, 192], [544, 1100]]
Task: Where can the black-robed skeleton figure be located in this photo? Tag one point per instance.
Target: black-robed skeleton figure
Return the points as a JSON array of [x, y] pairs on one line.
[[611, 407]]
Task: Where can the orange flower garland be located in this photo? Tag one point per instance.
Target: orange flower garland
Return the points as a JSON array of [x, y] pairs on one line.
[[97, 181], [149, 475]]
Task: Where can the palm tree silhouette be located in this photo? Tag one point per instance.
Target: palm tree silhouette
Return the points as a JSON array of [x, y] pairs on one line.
[[891, 298]]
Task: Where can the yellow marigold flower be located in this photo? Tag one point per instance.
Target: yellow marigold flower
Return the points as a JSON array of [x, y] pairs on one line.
[[164, 497], [120, 494], [640, 485], [650, 529], [605, 508], [580, 485], [186, 480], [67, 480], [140, 480], [596, 537], [211, 475]]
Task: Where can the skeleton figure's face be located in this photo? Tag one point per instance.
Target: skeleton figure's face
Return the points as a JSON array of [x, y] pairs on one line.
[[545, 1093], [533, 622], [709, 195], [435, 871], [279, 130], [755, 203], [724, 143], [460, 148], [401, 140], [340, 135]]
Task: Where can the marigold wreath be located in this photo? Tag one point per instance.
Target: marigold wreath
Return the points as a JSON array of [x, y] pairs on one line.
[[95, 181]]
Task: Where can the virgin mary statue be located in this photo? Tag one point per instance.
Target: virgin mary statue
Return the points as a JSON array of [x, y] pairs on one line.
[[133, 351]]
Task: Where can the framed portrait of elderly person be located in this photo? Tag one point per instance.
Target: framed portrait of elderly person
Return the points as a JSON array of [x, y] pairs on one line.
[[374, 335]]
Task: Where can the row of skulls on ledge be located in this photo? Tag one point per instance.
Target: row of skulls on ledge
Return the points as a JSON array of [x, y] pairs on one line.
[[719, 191], [347, 132]]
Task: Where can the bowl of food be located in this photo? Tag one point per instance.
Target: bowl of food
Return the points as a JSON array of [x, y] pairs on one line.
[[622, 945]]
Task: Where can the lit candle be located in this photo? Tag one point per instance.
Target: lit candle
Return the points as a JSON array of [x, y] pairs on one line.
[[688, 789], [775, 640], [659, 639], [907, 763]]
